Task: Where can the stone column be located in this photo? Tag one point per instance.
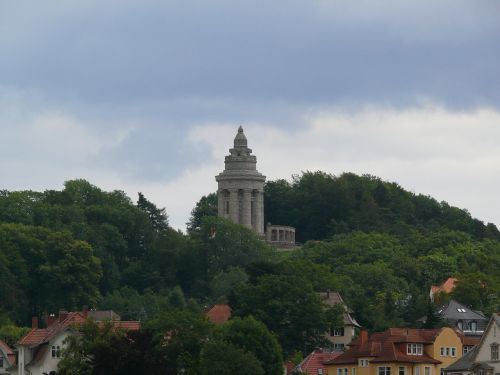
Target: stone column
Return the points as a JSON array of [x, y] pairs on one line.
[[247, 209], [220, 203], [259, 212], [234, 206]]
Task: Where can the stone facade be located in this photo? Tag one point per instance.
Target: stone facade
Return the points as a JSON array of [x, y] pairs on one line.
[[280, 234], [241, 187]]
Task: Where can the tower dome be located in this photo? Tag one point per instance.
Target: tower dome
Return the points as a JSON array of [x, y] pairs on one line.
[[240, 140]]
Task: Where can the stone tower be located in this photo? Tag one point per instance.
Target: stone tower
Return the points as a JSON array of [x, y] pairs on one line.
[[241, 187]]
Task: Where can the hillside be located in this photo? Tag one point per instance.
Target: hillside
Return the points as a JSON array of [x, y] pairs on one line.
[[379, 245]]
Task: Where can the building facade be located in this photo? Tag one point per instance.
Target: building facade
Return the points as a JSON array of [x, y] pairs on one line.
[[399, 351], [340, 337]]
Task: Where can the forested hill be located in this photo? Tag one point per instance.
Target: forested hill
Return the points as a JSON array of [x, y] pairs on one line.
[[379, 245], [321, 205]]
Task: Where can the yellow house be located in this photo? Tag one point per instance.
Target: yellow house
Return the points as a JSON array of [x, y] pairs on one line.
[[399, 351]]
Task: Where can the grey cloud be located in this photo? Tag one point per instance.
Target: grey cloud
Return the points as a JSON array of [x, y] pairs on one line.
[[118, 53]]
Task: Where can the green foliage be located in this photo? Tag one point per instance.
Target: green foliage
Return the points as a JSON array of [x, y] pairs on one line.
[[320, 205], [10, 333], [479, 291], [222, 358], [432, 319], [288, 306], [227, 245], [253, 337], [47, 270], [206, 206], [178, 337]]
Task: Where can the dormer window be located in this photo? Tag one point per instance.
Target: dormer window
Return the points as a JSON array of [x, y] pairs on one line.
[[414, 349]]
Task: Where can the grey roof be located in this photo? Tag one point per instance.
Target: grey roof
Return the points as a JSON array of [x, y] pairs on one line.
[[456, 311], [464, 363]]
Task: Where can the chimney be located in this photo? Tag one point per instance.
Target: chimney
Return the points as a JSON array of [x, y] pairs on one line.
[[51, 320], [63, 314], [34, 322], [363, 337]]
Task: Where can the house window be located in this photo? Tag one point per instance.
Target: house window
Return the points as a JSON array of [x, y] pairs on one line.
[[473, 326], [363, 363], [402, 370], [342, 371], [338, 347], [427, 370], [227, 207], [384, 371], [442, 351], [339, 331], [460, 325], [494, 352], [1, 362], [468, 348], [320, 371], [414, 349], [453, 351], [56, 351], [442, 372], [447, 352], [353, 371], [417, 370]]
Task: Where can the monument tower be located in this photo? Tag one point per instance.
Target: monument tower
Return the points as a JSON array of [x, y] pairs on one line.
[[241, 187]]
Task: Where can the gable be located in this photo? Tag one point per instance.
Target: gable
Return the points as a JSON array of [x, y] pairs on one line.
[[491, 336]]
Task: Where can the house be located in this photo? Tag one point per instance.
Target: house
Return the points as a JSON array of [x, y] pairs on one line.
[[313, 364], [484, 358], [340, 337], [446, 287], [7, 358], [219, 314], [39, 351], [399, 351], [471, 323]]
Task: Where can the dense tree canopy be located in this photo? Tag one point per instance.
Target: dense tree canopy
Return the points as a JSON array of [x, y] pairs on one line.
[[378, 244]]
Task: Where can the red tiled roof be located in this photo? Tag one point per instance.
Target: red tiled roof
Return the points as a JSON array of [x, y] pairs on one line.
[[445, 287], [39, 336], [315, 361], [11, 356], [219, 314], [390, 346], [127, 325]]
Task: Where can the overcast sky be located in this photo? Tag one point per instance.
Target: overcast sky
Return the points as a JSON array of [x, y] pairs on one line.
[[148, 95]]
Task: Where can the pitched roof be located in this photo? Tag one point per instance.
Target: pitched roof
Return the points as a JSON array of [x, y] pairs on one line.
[[445, 287], [8, 352], [456, 311], [389, 346], [38, 336], [219, 314], [463, 364], [315, 361], [333, 298]]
